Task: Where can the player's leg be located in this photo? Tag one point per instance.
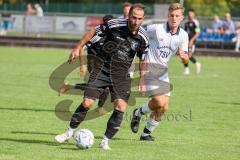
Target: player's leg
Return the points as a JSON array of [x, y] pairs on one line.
[[237, 44], [80, 113], [77, 117], [119, 95], [102, 99], [156, 86], [65, 87], [194, 61], [94, 67], [186, 68], [114, 122], [159, 105]]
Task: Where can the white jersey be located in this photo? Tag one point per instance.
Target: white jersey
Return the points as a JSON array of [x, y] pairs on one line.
[[163, 45]]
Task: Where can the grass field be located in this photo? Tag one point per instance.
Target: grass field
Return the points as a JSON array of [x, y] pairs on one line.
[[203, 121]]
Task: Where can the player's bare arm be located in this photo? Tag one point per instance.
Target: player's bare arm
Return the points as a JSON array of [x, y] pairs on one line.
[[77, 50], [143, 71], [191, 41], [83, 68]]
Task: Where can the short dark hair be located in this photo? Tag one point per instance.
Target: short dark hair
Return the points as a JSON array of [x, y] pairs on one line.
[[107, 18], [136, 5], [191, 10]]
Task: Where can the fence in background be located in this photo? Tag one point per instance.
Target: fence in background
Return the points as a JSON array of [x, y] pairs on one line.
[[49, 24], [86, 8]]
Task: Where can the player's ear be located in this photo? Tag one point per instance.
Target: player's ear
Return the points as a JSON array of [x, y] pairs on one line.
[[182, 17]]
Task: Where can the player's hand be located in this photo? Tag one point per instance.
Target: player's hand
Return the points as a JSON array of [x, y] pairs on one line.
[[184, 57], [181, 53], [75, 53], [83, 70]]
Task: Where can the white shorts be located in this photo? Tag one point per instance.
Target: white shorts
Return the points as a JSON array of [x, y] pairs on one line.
[[157, 84]]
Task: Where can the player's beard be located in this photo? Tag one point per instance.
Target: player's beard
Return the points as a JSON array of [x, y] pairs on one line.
[[133, 28]]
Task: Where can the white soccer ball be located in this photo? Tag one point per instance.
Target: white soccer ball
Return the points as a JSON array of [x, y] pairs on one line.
[[84, 138]]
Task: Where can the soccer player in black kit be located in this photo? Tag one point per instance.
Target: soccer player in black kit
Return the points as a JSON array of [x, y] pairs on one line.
[[124, 39], [192, 27], [97, 39]]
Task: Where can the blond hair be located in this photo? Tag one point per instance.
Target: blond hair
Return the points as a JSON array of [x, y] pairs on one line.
[[175, 6]]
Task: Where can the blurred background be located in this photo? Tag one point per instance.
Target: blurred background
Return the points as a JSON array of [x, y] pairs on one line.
[[53, 20]]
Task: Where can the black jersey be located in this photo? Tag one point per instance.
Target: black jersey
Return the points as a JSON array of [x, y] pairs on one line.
[[94, 46], [116, 46], [192, 27]]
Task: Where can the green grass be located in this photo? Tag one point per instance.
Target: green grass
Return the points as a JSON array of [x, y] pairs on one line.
[[207, 107]]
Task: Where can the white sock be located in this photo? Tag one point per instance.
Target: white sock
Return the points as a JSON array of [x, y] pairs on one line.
[[105, 138], [70, 131], [144, 109], [151, 125], [73, 86]]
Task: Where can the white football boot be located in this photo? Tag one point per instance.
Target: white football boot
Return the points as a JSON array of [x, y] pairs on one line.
[[104, 144], [186, 71], [64, 136]]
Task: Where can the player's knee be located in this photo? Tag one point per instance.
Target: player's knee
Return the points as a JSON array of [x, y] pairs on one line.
[[120, 105], [164, 108], [88, 102], [157, 103]]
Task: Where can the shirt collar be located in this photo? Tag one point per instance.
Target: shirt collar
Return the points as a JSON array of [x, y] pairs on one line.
[[168, 29]]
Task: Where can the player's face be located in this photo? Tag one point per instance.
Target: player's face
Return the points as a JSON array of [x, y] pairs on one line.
[[175, 17], [135, 19], [191, 15]]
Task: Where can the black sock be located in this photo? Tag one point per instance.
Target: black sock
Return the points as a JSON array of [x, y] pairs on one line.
[[81, 86], [103, 97], [193, 60], [114, 123], [141, 112], [78, 116], [146, 131], [186, 65]]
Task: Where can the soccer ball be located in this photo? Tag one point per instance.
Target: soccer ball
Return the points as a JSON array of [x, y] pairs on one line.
[[84, 138]]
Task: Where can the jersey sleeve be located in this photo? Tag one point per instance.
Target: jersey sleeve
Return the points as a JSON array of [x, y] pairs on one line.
[[143, 49], [143, 52], [184, 44], [151, 27], [197, 29], [101, 28]]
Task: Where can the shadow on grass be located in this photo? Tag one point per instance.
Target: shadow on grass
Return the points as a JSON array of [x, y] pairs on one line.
[[74, 148], [231, 103], [27, 109], [40, 133], [115, 139], [29, 141]]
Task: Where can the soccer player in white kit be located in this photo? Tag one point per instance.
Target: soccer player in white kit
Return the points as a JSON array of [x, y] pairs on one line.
[[166, 40]]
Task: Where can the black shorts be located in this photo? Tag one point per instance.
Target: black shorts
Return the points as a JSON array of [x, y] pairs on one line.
[[118, 90]]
